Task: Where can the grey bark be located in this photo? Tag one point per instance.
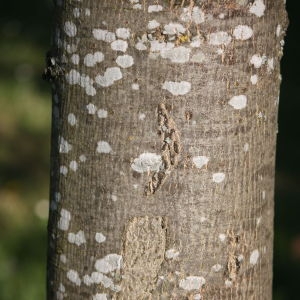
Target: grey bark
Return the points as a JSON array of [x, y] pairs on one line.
[[163, 148]]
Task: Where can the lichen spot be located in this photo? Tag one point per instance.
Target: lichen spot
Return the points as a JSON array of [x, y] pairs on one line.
[[200, 161], [103, 147], [246, 147], [147, 162], [194, 14], [65, 217], [238, 102], [278, 30], [73, 276], [258, 8], [218, 177], [119, 45], [142, 116], [100, 297], [174, 28], [104, 35], [228, 283], [153, 24], [73, 77], [219, 38], [91, 59], [75, 59], [64, 146], [125, 61], [109, 263], [257, 60], [216, 268], [171, 253], [73, 166], [110, 76], [135, 86], [82, 158], [123, 33], [91, 108], [254, 257], [77, 238], [154, 8], [100, 238], [254, 79], [177, 88], [242, 32], [197, 297], [71, 119], [192, 283], [63, 170], [102, 113], [70, 28], [63, 258], [222, 237], [177, 55]]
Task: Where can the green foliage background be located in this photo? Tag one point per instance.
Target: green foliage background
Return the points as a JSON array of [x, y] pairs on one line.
[[25, 117]]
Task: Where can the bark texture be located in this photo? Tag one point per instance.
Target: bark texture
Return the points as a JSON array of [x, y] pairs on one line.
[[163, 148]]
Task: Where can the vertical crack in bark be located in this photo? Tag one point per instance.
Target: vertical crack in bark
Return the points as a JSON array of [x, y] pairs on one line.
[[143, 252], [170, 150], [233, 264]]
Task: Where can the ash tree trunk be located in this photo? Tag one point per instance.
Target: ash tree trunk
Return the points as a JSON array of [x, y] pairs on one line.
[[163, 148]]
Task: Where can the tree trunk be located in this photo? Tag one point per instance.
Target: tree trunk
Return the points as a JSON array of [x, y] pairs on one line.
[[163, 148]]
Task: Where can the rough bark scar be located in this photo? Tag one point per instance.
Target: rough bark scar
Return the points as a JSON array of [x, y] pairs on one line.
[[144, 245], [170, 150], [233, 264]]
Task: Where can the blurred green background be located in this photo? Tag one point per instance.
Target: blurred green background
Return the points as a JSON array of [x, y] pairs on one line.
[[24, 154]]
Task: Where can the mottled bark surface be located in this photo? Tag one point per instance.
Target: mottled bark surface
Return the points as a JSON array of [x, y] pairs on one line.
[[163, 148]]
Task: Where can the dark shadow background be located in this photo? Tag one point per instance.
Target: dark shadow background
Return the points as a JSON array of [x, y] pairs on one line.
[[24, 154]]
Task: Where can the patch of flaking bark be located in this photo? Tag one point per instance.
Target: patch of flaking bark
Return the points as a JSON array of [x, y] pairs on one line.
[[170, 150], [144, 245]]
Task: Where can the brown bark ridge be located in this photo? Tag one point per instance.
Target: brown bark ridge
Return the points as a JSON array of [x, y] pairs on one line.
[[163, 148]]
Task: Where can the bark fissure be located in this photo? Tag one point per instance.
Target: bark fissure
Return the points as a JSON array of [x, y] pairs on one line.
[[170, 150]]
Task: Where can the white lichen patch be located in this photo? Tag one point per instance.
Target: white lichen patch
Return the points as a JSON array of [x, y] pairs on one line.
[[90, 60], [200, 161], [174, 28], [97, 278], [63, 170], [238, 102], [125, 61], [71, 119], [73, 165], [87, 83], [142, 116], [254, 257], [198, 57], [102, 113], [64, 221], [75, 59], [196, 42], [257, 60], [153, 24], [147, 162], [100, 297], [278, 30], [104, 35], [270, 64], [63, 258], [123, 33], [73, 77], [219, 38], [109, 263], [197, 297], [154, 8], [258, 8], [216, 268], [77, 238], [254, 79], [82, 158], [218, 177], [140, 46], [242, 32], [91, 108], [194, 14], [135, 86], [103, 147], [177, 55], [171, 253], [100, 237], [192, 283], [70, 29], [240, 257], [64, 146], [157, 46], [73, 276], [110, 76], [228, 283], [119, 45], [177, 88], [246, 147], [222, 237], [76, 12]]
